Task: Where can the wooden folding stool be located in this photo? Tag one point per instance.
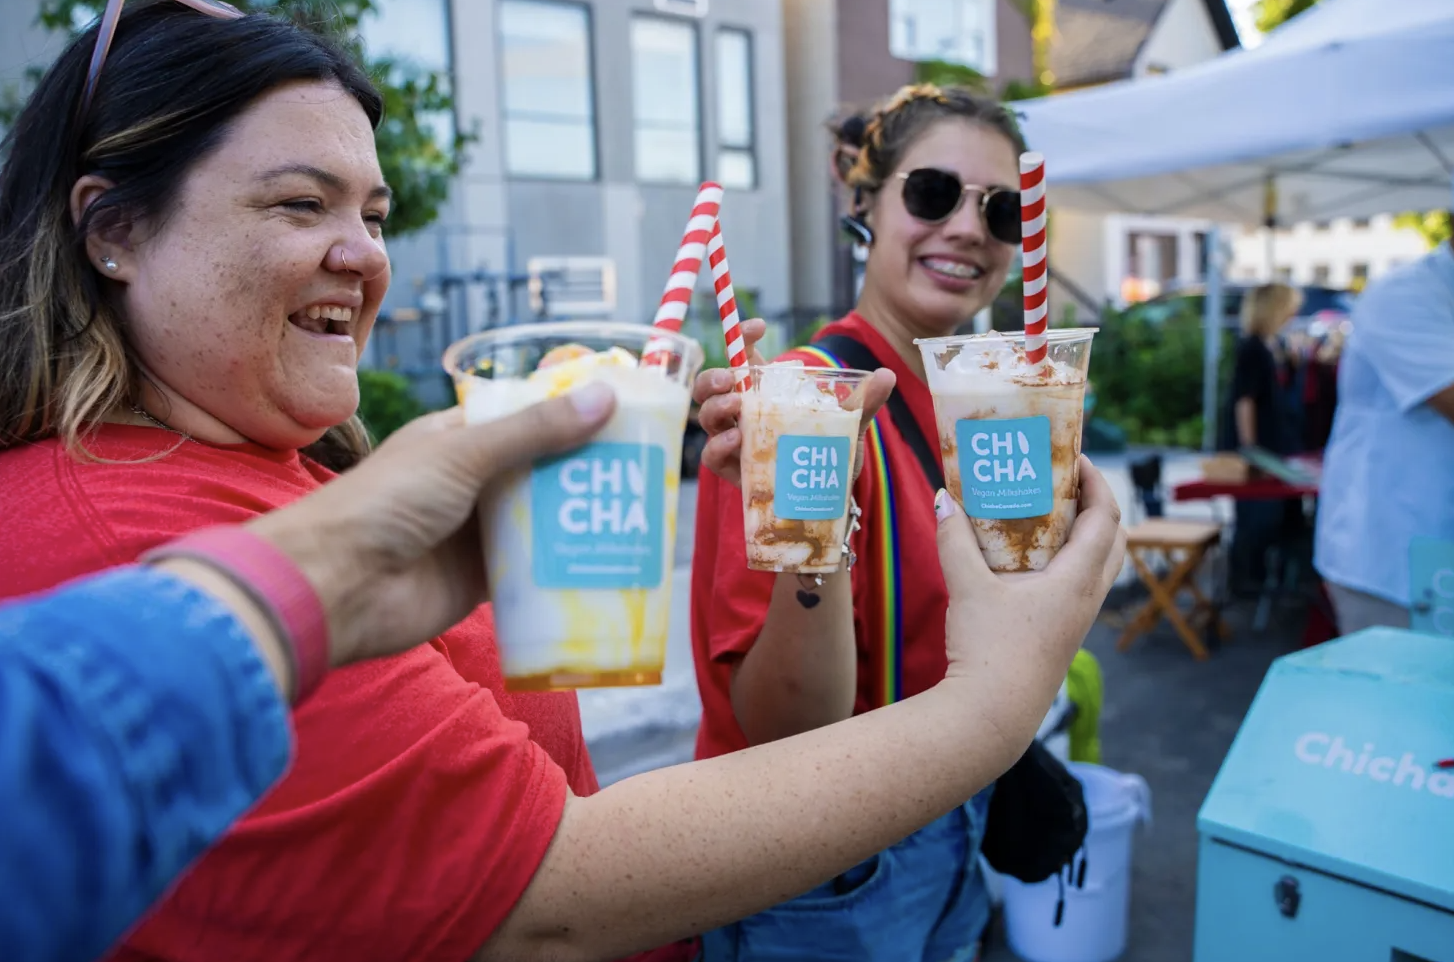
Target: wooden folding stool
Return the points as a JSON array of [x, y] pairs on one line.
[[1184, 544]]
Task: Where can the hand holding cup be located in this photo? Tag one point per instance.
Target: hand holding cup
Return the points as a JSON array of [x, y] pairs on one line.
[[721, 405], [991, 615]]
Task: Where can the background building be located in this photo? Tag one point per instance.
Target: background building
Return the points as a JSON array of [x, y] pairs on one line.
[[1341, 253], [23, 46], [847, 54], [596, 119]]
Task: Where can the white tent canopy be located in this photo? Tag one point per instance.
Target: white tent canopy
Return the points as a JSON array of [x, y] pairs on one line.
[[1348, 110]]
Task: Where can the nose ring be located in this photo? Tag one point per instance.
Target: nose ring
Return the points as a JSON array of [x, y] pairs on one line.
[[343, 256]]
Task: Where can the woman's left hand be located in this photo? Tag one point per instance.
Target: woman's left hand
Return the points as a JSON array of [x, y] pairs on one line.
[[393, 546]]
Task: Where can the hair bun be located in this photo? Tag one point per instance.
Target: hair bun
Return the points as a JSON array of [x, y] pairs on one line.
[[851, 130]]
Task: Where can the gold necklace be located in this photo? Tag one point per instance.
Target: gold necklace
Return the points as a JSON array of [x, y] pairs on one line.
[[146, 415]]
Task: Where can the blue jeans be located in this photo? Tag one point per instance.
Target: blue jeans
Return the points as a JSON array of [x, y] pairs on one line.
[[923, 900]]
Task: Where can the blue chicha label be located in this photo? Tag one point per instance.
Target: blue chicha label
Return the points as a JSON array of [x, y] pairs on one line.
[[1004, 467], [597, 515], [811, 478]]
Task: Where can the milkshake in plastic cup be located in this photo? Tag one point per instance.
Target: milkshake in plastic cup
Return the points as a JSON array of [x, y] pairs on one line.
[[1010, 436], [578, 550], [799, 430]]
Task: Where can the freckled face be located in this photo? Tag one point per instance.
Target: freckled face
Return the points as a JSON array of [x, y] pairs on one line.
[[937, 276], [253, 298]]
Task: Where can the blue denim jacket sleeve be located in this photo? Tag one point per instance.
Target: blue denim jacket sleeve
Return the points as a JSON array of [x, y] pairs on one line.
[[137, 722]]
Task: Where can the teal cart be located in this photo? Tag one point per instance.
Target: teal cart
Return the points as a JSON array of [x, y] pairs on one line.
[[1328, 835]]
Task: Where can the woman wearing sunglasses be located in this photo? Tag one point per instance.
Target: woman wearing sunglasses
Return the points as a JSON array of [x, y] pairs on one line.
[[191, 260], [778, 655]]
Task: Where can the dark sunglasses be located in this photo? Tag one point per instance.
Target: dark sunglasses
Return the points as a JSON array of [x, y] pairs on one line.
[[107, 32], [934, 196]]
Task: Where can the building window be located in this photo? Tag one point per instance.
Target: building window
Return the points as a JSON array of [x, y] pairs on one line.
[[665, 95], [1360, 223], [1358, 277], [955, 31], [1284, 275], [1322, 273], [736, 159], [1322, 226], [1152, 257], [549, 110], [415, 35]]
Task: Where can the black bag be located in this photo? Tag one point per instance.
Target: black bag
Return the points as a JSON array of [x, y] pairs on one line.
[[1037, 818]]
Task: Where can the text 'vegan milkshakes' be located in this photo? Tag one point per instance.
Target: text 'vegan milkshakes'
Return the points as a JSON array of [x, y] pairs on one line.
[[799, 432], [578, 550], [1010, 436]]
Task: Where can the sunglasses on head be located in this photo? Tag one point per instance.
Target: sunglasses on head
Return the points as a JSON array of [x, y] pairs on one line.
[[933, 196], [107, 32]]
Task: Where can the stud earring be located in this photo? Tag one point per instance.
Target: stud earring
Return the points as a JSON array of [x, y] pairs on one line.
[[110, 265]]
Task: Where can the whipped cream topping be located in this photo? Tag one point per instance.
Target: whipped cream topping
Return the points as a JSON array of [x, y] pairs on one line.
[[488, 399], [783, 383], [559, 378], [994, 356]]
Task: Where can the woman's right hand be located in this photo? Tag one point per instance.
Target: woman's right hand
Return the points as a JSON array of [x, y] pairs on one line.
[[392, 547], [996, 622], [719, 406]]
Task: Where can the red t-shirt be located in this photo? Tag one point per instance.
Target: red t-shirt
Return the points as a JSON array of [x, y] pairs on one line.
[[422, 796], [729, 601]]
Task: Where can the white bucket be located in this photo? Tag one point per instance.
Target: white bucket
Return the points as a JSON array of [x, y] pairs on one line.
[[1097, 886]]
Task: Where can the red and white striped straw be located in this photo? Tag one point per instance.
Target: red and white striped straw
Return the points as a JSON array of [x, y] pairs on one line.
[[727, 309], [1032, 243], [686, 266]]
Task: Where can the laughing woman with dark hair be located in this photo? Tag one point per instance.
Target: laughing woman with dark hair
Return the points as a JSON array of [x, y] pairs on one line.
[[191, 260]]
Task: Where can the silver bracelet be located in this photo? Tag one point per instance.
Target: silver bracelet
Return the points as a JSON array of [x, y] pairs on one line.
[[809, 582]]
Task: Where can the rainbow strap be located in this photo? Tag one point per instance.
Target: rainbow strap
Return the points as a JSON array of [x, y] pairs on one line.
[[887, 534]]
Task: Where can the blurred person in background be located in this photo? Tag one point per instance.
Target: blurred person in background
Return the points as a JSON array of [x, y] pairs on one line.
[[936, 204], [1388, 471], [1258, 415], [1293, 353], [1320, 389], [192, 259]]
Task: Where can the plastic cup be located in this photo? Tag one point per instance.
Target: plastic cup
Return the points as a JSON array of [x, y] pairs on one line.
[[1011, 438], [578, 549], [799, 433]]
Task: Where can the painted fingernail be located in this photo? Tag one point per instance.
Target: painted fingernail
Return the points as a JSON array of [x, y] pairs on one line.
[[592, 399], [943, 507]]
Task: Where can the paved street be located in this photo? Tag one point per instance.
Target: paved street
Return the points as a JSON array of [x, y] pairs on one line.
[[632, 730], [1171, 720], [1166, 717]]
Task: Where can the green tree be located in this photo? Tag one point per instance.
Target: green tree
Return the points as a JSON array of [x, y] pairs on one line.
[[386, 402], [1270, 14], [1435, 226], [1040, 18], [941, 73], [1146, 370], [415, 163]]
